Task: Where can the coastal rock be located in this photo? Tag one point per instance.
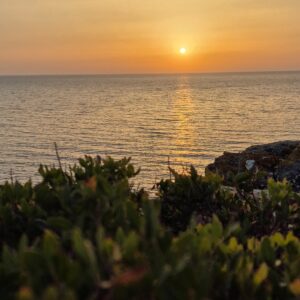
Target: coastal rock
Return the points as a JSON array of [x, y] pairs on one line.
[[277, 160]]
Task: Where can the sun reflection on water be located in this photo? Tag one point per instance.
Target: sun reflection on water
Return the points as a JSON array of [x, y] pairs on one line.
[[185, 133]]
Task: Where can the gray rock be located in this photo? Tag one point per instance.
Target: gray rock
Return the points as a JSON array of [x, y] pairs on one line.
[[291, 172], [278, 160], [280, 149]]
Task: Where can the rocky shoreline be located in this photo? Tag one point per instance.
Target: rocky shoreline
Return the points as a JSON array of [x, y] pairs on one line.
[[278, 160]]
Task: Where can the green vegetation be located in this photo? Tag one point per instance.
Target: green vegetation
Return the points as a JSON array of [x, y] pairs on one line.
[[89, 234]]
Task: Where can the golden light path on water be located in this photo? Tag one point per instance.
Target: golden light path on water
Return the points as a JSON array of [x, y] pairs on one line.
[[185, 130]]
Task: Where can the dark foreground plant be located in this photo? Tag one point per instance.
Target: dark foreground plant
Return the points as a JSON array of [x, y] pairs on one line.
[[87, 234], [259, 212]]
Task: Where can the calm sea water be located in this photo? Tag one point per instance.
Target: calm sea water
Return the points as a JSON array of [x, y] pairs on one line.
[[189, 118]]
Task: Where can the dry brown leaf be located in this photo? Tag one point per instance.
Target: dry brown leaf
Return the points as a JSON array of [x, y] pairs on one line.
[[91, 183], [131, 276]]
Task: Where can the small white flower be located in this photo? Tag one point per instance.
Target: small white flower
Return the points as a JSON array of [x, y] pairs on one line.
[[277, 262], [250, 164], [282, 284]]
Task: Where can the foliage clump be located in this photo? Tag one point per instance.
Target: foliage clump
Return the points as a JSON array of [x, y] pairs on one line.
[[259, 212], [87, 233]]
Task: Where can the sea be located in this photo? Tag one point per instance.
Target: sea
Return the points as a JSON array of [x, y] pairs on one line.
[[157, 120]]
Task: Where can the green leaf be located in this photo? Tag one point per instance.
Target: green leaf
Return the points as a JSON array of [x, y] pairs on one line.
[[50, 244], [78, 244], [261, 274], [278, 239], [51, 293], [59, 223], [234, 246], [130, 245], [217, 227], [267, 250]]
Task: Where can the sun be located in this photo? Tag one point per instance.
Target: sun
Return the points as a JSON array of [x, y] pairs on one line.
[[182, 51]]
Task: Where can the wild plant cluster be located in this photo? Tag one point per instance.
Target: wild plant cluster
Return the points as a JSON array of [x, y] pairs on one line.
[[87, 233]]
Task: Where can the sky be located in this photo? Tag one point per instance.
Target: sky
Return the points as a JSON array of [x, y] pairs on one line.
[[134, 36]]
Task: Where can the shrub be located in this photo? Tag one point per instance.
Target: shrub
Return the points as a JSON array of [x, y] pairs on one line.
[[88, 234], [276, 209]]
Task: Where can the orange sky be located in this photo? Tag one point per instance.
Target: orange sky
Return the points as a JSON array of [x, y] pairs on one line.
[[133, 36]]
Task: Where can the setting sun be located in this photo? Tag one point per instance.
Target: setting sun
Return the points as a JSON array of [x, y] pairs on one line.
[[204, 95], [182, 51]]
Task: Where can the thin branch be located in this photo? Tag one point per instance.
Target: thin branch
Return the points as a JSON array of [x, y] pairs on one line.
[[57, 155], [11, 176], [169, 167]]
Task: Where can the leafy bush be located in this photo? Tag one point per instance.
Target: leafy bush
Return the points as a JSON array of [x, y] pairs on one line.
[[276, 209], [88, 234], [186, 195]]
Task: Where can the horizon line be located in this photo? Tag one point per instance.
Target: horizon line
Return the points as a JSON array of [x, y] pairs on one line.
[[149, 73]]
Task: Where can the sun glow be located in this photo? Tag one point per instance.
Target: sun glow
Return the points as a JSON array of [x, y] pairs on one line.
[[182, 51]]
